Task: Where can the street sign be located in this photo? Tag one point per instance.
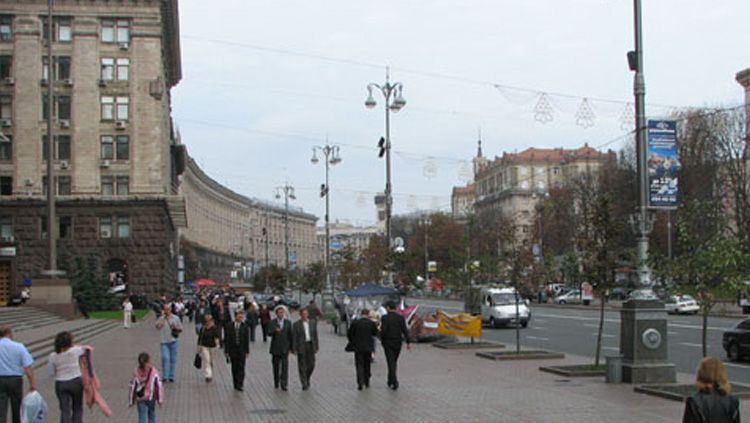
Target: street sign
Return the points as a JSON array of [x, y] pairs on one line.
[[293, 257], [536, 250], [335, 244]]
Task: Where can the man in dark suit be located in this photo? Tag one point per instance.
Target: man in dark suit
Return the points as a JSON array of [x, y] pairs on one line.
[[280, 331], [305, 345], [237, 347], [392, 333], [361, 335]]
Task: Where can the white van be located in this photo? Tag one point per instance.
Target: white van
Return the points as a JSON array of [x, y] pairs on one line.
[[499, 307]]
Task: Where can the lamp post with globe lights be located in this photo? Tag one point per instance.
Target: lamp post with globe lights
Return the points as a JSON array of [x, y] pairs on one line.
[[288, 192]]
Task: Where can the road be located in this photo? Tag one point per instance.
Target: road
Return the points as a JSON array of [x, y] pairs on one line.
[[573, 331]]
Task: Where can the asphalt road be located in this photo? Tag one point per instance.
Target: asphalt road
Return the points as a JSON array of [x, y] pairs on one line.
[[573, 331]]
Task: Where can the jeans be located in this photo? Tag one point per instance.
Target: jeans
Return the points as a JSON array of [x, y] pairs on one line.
[[11, 391], [168, 359], [146, 408], [70, 396]]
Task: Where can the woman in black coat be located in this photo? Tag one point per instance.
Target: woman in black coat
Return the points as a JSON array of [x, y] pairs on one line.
[[712, 403]]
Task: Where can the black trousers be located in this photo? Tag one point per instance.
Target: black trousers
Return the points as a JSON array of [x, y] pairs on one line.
[[264, 329], [70, 396], [11, 390], [391, 358], [362, 361], [306, 363], [238, 369], [280, 370]]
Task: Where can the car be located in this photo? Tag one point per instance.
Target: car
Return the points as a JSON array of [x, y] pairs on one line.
[[571, 297], [681, 304], [736, 341], [618, 294]]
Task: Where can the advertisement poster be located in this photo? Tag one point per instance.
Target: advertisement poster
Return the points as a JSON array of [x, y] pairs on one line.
[[663, 164]]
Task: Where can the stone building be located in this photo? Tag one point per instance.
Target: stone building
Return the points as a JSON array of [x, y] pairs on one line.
[[115, 162], [514, 183], [462, 202]]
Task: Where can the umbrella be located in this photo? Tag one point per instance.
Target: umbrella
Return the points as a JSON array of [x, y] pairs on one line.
[[204, 282]]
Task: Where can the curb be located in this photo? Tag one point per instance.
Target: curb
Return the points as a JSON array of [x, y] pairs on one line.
[[467, 345], [569, 372], [525, 355]]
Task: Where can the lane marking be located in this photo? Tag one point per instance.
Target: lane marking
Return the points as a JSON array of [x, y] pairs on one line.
[[591, 325], [537, 328], [672, 333], [671, 324], [541, 320], [537, 338], [604, 335], [611, 348], [690, 344]]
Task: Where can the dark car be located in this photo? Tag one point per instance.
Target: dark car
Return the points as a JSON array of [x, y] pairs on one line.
[[736, 341]]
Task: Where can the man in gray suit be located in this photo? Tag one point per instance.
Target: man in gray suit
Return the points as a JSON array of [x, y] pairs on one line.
[[280, 331], [305, 345]]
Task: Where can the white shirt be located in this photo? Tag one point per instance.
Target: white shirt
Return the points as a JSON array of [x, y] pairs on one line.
[[128, 306], [65, 365], [306, 325]]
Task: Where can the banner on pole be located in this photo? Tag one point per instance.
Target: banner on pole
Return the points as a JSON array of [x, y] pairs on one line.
[[461, 324], [663, 164]]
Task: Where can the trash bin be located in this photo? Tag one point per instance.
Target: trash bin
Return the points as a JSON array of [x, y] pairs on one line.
[[614, 369]]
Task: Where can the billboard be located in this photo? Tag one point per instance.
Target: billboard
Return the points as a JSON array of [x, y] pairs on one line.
[[663, 164]]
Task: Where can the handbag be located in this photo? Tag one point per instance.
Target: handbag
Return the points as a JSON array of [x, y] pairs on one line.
[[349, 347], [198, 361], [176, 331], [140, 387], [132, 318]]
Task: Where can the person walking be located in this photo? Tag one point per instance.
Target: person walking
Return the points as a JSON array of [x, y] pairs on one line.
[[713, 402], [170, 328], [280, 331], [361, 335], [392, 334], [201, 310], [265, 319], [15, 361], [237, 348], [313, 311], [82, 307], [305, 345], [251, 318], [127, 313], [208, 339], [146, 389], [64, 364]]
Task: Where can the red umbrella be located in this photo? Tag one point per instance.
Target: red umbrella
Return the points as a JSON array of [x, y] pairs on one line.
[[204, 282]]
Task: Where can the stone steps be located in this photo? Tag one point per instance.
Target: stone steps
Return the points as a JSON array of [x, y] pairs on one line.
[[41, 348], [25, 318]]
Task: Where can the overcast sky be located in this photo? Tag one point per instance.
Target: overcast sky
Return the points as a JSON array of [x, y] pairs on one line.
[[265, 81]]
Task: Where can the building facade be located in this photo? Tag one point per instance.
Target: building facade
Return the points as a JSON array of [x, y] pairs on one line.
[[462, 202], [113, 66], [346, 235], [514, 183]]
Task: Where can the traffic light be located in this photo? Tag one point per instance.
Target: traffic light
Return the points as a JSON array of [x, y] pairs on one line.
[[381, 145]]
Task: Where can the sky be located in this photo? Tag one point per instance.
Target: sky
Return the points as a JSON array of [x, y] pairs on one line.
[[266, 81]]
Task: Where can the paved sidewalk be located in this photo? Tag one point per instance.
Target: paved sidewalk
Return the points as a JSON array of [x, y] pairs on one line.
[[436, 386]]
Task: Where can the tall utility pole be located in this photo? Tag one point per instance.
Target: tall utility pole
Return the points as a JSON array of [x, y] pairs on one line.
[[51, 185], [288, 192], [642, 221], [265, 236], [426, 222], [394, 101], [331, 155]]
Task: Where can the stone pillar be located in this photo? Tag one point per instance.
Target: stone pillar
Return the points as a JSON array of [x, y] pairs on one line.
[[643, 343], [53, 295], [743, 78]]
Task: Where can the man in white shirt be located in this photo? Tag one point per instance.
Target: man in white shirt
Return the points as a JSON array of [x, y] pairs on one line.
[[305, 345], [127, 313], [15, 361]]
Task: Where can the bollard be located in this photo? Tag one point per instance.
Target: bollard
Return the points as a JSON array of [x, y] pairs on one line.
[[614, 369]]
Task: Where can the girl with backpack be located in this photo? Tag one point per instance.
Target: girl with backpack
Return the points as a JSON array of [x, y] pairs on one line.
[[146, 389]]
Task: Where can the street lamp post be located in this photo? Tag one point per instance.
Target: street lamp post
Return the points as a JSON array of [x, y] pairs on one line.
[[51, 186], [288, 192], [331, 155], [426, 222], [394, 101]]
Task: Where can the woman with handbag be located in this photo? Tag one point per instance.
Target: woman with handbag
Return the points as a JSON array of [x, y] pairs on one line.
[[145, 389], [64, 364], [208, 339]]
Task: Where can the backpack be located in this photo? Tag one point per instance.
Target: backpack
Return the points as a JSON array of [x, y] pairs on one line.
[[140, 387]]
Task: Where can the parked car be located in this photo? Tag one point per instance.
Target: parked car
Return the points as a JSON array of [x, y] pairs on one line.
[[681, 304], [736, 341], [497, 306], [618, 294], [570, 297]]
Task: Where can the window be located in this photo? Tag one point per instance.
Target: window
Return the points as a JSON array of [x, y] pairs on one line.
[[6, 28], [123, 147], [6, 147], [105, 227], [108, 69], [60, 68], [107, 148], [62, 29], [108, 185], [115, 69], [122, 185], [62, 147], [6, 107], [123, 227], [122, 108], [122, 69], [115, 108], [6, 185], [62, 107], [65, 227], [6, 64], [108, 105], [62, 185], [115, 30], [6, 228]]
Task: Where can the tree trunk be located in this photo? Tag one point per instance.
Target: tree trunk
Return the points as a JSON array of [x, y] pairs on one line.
[[703, 332], [518, 327], [599, 333]]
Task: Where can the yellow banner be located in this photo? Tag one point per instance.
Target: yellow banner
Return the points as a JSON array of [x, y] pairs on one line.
[[462, 324]]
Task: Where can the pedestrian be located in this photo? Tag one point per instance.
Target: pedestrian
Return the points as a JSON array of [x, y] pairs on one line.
[[280, 331], [146, 389], [64, 364], [392, 334], [170, 329], [251, 318], [82, 308], [265, 318], [201, 310], [305, 346], [361, 335], [15, 361], [127, 312], [208, 339], [713, 402], [25, 294], [179, 308], [237, 348], [313, 311]]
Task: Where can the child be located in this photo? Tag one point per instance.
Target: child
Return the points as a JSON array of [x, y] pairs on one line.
[[145, 389]]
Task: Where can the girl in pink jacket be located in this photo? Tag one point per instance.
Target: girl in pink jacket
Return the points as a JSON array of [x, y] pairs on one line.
[[145, 389]]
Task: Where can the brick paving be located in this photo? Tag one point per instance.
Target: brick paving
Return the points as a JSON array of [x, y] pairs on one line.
[[436, 386]]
